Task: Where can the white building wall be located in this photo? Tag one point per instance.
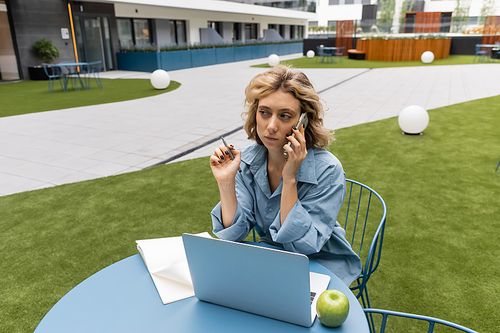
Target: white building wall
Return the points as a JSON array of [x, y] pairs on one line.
[[196, 19], [327, 13]]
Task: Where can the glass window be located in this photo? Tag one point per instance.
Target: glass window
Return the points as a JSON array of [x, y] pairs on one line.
[[80, 45], [302, 5], [349, 2], [181, 31], [250, 31], [300, 31], [8, 59], [141, 32], [125, 32], [173, 40], [313, 23], [107, 44], [333, 2]]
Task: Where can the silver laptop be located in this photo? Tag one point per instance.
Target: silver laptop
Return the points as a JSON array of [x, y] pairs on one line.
[[267, 282]]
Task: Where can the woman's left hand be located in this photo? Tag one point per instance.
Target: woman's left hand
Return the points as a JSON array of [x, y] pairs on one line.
[[296, 155]]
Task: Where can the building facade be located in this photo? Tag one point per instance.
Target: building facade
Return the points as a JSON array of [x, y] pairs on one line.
[[389, 15], [97, 30]]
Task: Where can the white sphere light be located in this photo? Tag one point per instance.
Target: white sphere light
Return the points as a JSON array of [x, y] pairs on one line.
[[413, 119], [273, 60], [160, 79], [310, 54], [427, 57]]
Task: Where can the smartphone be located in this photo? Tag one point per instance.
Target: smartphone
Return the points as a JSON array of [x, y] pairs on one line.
[[302, 120]]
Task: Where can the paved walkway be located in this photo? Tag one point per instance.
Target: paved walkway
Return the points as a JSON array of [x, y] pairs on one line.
[[52, 148]]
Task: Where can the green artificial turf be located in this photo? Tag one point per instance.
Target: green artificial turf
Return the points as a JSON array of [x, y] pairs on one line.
[[23, 97], [305, 62], [440, 255]]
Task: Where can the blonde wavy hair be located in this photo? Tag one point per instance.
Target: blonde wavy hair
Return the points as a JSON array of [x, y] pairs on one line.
[[284, 78]]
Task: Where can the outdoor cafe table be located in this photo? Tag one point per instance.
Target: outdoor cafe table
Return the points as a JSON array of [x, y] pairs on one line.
[[122, 298], [329, 51], [489, 47]]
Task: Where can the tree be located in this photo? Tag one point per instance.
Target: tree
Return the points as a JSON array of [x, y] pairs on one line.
[[461, 15], [406, 7], [487, 10], [386, 13], [45, 50]]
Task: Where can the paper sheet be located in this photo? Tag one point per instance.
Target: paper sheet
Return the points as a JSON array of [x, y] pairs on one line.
[[167, 264]]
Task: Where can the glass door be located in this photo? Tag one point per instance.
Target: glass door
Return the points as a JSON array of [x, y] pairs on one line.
[[94, 40], [8, 59]]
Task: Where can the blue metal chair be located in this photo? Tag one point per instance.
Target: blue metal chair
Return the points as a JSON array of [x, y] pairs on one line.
[[432, 321], [320, 52], [54, 73], [339, 52], [365, 216], [495, 52], [93, 69], [481, 53], [72, 71]]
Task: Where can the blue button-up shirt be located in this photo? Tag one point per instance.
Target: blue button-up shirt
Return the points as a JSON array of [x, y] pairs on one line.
[[311, 227]]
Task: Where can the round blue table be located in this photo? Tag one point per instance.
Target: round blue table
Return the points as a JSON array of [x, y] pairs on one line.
[[122, 298]]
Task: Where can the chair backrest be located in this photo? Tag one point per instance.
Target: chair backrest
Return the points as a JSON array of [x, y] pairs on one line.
[[363, 216], [320, 50], [95, 67], [364, 212], [52, 71], [340, 51], [430, 320], [479, 48]]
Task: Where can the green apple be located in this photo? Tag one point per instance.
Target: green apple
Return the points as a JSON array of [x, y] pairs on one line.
[[332, 308]]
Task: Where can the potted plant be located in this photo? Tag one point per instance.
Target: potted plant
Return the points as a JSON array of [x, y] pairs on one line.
[[46, 51]]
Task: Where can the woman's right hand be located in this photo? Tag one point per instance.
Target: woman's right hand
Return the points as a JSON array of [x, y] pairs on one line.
[[223, 168]]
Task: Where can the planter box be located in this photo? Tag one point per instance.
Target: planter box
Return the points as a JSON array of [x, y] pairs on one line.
[[273, 49], [403, 49], [173, 60], [242, 53], [137, 61], [224, 55], [284, 49], [259, 51], [203, 57], [37, 73]]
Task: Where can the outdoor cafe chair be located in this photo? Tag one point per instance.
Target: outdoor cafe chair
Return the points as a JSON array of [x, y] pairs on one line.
[[481, 53], [432, 322], [365, 216], [72, 71], [54, 73], [495, 52], [93, 69], [339, 52], [320, 52]]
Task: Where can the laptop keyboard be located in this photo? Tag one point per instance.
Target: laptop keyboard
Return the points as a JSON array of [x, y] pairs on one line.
[[313, 294]]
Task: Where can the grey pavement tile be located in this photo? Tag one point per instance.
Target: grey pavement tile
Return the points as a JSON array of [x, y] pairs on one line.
[[131, 160], [10, 184], [107, 169], [74, 178]]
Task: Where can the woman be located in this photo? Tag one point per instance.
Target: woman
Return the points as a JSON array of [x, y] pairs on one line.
[[291, 199]]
